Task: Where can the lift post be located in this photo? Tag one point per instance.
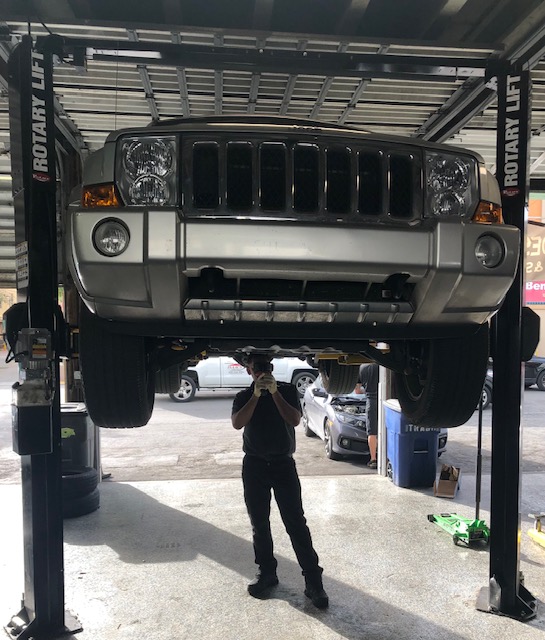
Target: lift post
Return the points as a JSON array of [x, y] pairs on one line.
[[505, 594], [36, 407]]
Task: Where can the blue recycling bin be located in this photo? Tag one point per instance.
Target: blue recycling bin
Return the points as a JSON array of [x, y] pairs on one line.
[[411, 450]]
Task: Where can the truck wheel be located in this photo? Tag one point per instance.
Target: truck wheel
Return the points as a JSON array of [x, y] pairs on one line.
[[168, 380], [338, 378], [302, 380], [186, 390], [446, 382], [540, 381], [118, 383]]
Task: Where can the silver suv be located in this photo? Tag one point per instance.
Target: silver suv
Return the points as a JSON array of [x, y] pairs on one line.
[[229, 235]]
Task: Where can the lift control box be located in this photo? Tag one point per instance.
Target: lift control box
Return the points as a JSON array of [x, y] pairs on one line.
[[32, 395]]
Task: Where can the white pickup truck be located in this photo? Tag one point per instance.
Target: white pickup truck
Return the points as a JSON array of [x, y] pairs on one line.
[[225, 373]]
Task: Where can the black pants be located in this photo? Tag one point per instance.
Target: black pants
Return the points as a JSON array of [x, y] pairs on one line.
[[260, 476]]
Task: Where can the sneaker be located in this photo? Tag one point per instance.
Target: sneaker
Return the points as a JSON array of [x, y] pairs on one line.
[[259, 587], [317, 595], [372, 464]]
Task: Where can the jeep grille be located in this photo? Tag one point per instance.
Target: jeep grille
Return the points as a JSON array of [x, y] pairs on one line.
[[302, 179]]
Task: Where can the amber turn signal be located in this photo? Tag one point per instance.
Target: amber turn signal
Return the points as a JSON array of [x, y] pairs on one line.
[[100, 195], [488, 213]]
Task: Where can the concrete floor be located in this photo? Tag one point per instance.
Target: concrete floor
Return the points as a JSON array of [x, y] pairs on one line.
[[171, 559]]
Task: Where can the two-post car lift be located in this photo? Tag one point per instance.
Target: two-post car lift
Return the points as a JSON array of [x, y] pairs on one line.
[[37, 408]]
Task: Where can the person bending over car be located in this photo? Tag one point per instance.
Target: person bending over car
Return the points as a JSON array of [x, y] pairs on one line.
[[269, 411]]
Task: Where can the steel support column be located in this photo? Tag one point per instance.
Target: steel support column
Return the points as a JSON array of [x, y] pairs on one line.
[[505, 594], [37, 435]]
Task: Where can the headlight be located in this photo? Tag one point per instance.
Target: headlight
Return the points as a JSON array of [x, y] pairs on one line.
[[111, 238], [451, 185], [146, 170]]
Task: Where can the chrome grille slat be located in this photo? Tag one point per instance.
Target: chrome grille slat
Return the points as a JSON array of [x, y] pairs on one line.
[[339, 181]]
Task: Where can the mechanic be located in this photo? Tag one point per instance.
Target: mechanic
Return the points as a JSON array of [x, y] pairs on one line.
[[269, 410], [368, 379]]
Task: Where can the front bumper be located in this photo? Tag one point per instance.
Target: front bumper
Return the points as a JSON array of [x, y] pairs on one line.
[[349, 440], [151, 280]]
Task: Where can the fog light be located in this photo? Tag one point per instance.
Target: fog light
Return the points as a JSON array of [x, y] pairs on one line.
[[345, 443], [489, 251], [111, 238]]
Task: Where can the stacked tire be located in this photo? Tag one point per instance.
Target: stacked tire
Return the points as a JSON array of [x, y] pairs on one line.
[[80, 478], [80, 493]]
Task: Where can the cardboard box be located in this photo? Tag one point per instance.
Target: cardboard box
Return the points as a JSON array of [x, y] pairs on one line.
[[448, 483]]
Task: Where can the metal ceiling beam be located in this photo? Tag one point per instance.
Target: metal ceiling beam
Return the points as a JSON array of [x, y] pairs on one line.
[[254, 86], [145, 79], [326, 86], [391, 66], [476, 95], [459, 109], [263, 10], [350, 20], [537, 162], [362, 86], [290, 85], [218, 81], [182, 81]]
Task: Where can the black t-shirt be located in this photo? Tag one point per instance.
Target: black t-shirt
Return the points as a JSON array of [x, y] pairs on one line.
[[267, 435], [368, 377]]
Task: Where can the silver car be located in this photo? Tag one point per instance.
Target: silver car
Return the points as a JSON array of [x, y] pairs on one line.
[[341, 422], [231, 235]]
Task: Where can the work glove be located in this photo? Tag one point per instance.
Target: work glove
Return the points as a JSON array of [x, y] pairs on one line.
[[260, 385], [272, 387]]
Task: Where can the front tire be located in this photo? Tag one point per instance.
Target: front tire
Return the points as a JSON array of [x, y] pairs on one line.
[[307, 430], [118, 383], [186, 390], [446, 380], [540, 381], [332, 455]]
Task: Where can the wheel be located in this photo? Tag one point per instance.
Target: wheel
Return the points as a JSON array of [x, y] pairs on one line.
[[75, 507], [78, 481], [389, 470], [447, 378], [186, 390], [307, 430], [540, 380], [329, 446], [118, 384], [168, 380], [487, 396], [302, 380], [338, 378]]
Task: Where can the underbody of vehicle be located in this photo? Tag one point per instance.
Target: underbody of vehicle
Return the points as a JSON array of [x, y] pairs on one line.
[[228, 236]]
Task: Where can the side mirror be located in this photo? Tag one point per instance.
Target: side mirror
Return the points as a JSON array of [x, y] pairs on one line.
[[319, 393]]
